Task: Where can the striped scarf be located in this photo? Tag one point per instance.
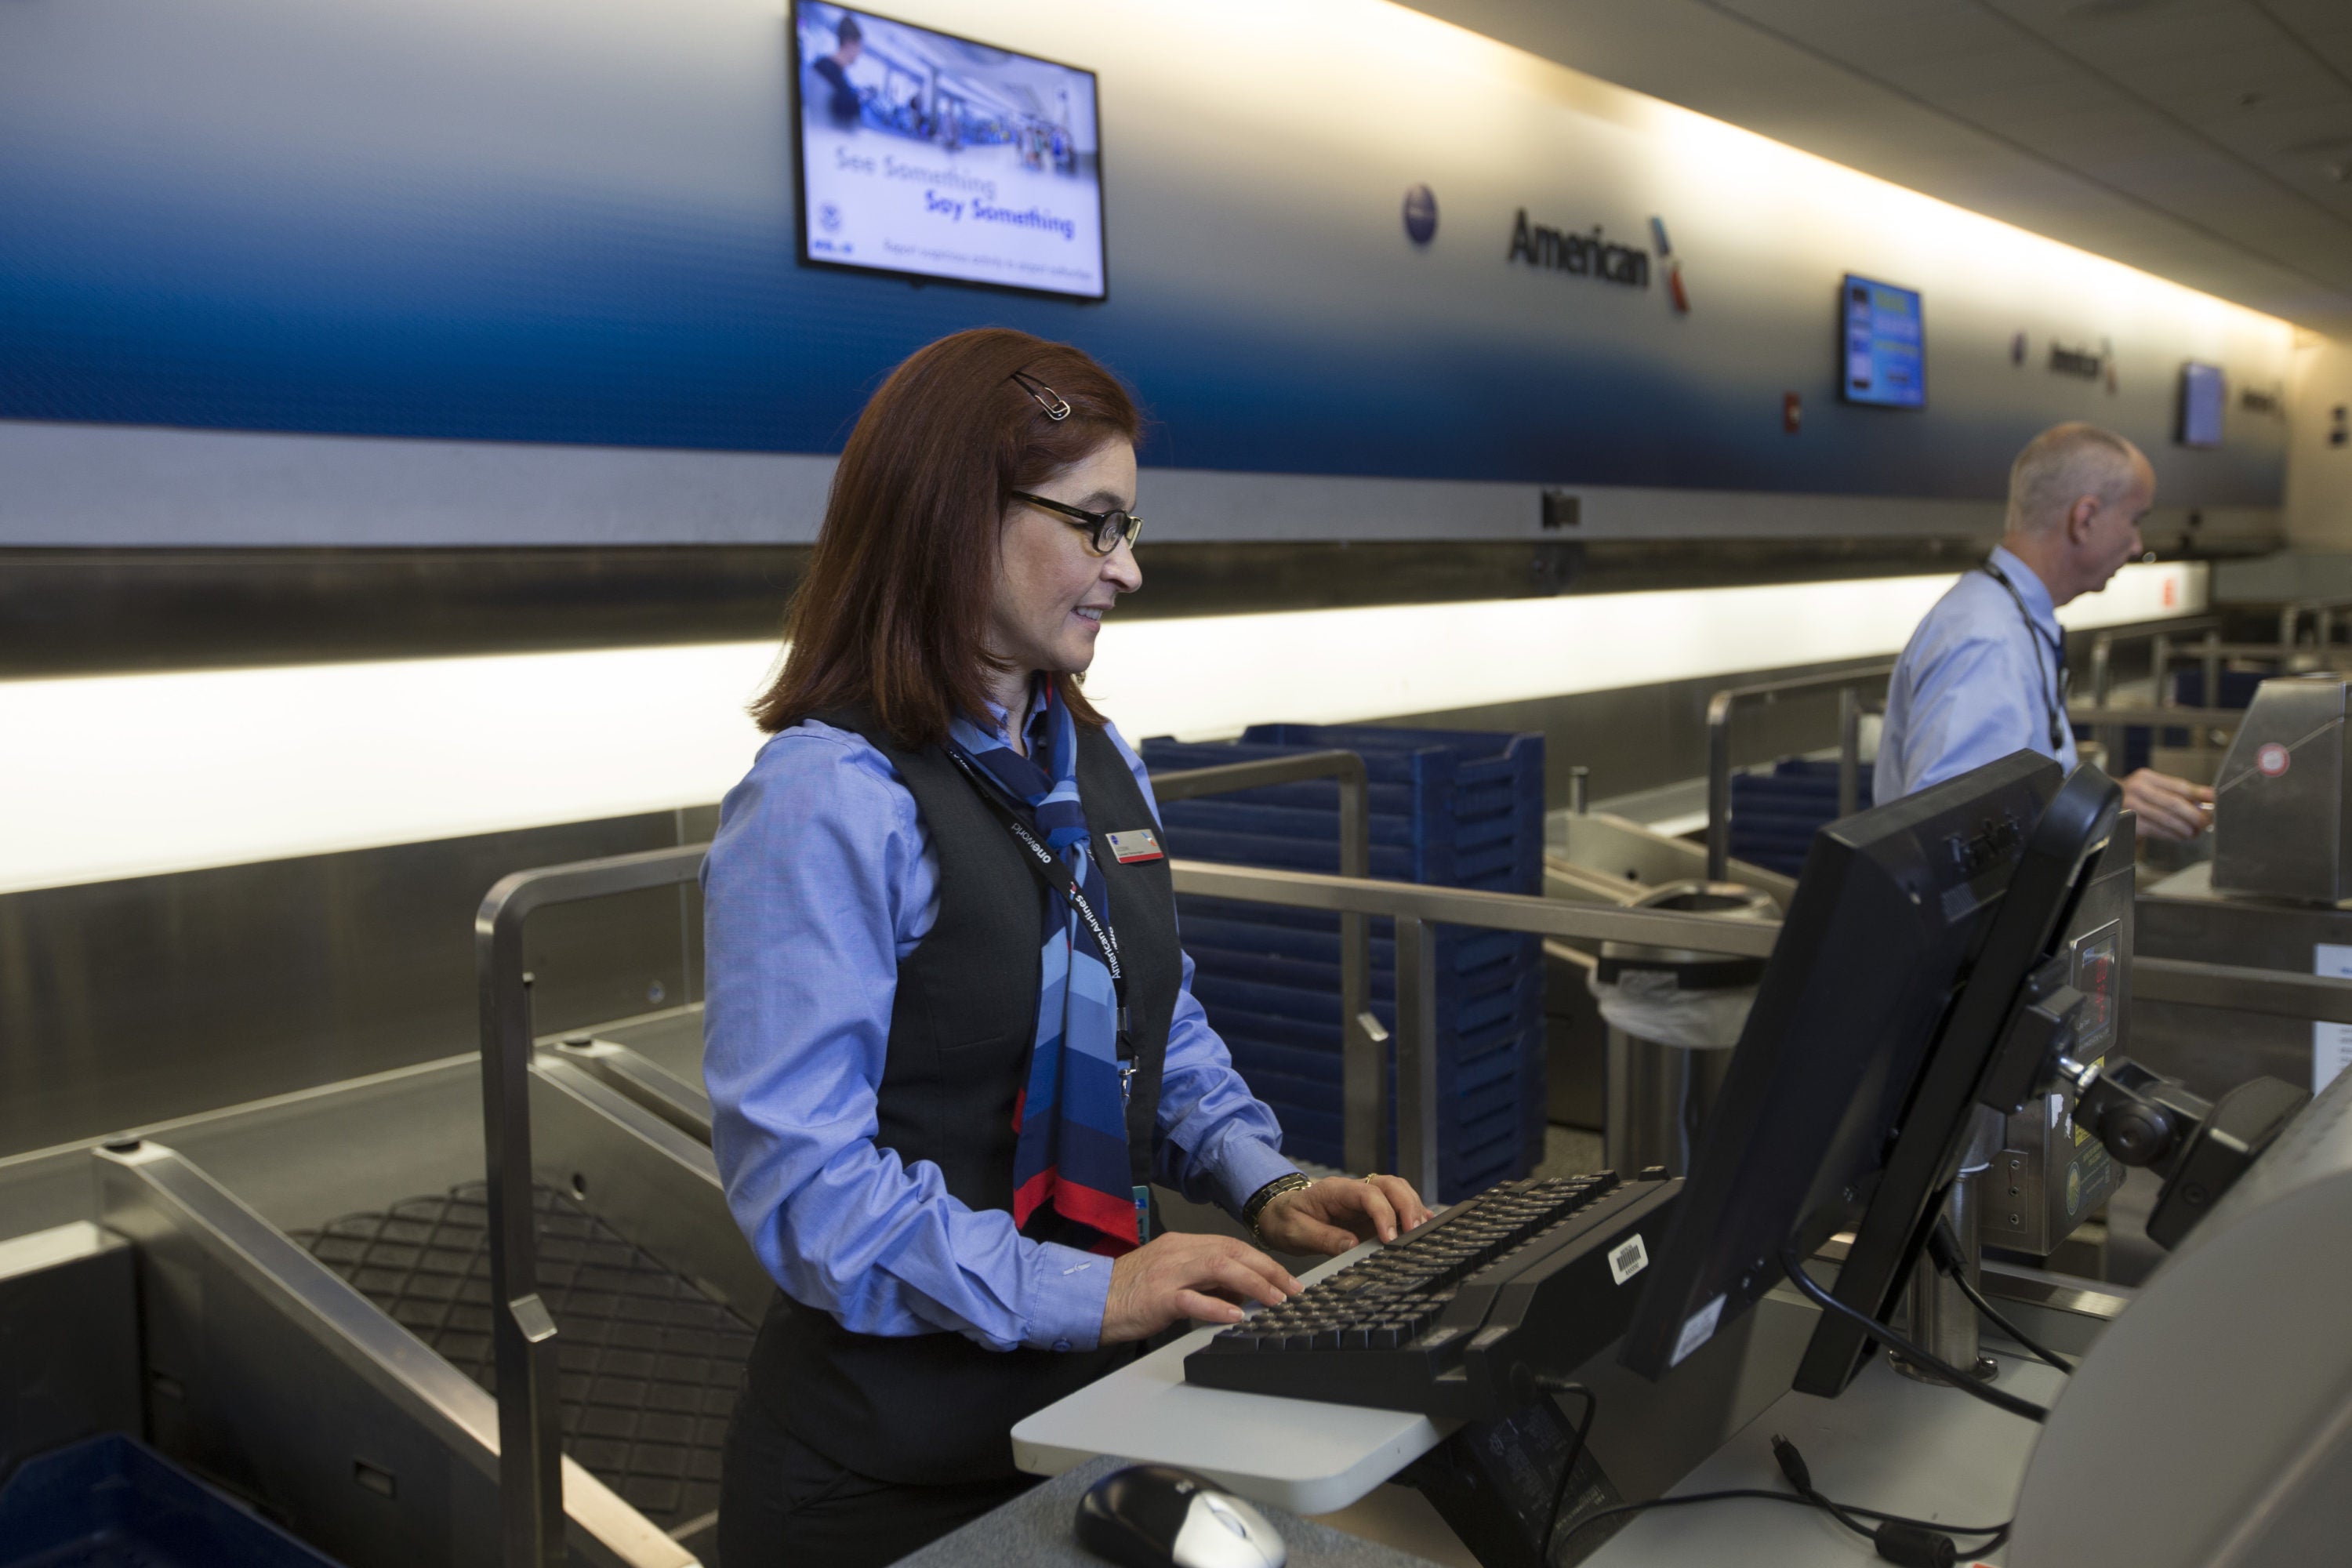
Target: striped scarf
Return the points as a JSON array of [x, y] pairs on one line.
[[1071, 1157]]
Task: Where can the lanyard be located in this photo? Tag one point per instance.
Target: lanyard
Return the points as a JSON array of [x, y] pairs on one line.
[[1049, 870], [2057, 646]]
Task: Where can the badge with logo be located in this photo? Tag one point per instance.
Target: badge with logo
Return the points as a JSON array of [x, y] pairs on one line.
[[1139, 844]]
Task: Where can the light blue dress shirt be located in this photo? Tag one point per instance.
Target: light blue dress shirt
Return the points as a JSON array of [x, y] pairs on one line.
[[1974, 683], [821, 878]]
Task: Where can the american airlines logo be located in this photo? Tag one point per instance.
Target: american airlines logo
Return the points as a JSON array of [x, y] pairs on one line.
[[1592, 253]]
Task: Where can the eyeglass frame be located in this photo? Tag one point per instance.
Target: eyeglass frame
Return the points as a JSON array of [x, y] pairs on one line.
[[1100, 521]]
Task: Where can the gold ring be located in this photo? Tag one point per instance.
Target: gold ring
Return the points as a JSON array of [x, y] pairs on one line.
[[1373, 1176]]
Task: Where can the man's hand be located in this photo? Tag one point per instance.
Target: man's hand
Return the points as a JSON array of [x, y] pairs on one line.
[[1338, 1212], [1174, 1276], [2169, 807]]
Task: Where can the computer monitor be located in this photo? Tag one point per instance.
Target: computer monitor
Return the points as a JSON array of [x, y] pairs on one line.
[[2204, 393], [1846, 1103]]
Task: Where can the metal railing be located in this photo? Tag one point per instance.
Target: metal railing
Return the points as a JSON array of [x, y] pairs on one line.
[[1415, 908], [1725, 704], [522, 1331], [2323, 620]]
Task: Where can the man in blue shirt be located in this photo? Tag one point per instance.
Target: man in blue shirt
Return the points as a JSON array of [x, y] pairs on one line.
[[1985, 673]]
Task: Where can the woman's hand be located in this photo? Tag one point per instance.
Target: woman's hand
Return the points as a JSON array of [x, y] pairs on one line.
[[1174, 1276], [1335, 1212]]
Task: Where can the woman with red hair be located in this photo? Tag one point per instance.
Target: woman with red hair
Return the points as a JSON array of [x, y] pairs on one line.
[[950, 1038]]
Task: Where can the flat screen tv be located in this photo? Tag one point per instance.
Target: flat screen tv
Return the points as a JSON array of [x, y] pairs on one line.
[[927, 155], [2202, 394], [1883, 348]]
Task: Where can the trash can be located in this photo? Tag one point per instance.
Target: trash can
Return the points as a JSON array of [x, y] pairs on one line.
[[1674, 1014]]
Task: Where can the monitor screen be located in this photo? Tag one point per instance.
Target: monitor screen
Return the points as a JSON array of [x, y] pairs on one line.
[[1887, 919], [928, 155], [2202, 394], [1884, 347]]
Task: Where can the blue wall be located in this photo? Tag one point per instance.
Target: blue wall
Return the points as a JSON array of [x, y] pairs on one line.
[[520, 221]]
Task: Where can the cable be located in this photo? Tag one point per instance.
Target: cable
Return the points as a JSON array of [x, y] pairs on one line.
[[1995, 1534], [1998, 1399], [1575, 1452], [1944, 1248]]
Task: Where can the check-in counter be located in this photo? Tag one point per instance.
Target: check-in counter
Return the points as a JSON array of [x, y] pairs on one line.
[[2277, 893]]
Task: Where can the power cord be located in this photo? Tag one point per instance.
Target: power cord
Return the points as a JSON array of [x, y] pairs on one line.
[[1944, 1248], [2000, 1399], [1896, 1538], [1575, 1452]]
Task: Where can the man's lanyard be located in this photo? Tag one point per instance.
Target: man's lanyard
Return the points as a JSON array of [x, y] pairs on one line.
[[2057, 647], [1049, 870]]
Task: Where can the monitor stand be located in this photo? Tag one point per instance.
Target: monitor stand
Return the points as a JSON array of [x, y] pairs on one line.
[[1934, 1313]]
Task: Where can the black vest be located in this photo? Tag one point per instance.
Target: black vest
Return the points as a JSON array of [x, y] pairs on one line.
[[931, 1409]]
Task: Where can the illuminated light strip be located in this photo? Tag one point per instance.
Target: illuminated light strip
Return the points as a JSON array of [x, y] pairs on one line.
[[139, 775]]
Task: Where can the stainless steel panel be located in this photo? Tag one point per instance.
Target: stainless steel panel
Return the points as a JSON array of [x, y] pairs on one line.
[[2215, 1050], [269, 1374], [1607, 859], [654, 1183], [2280, 802], [1640, 737], [672, 1042], [682, 1103], [68, 1340], [127, 1002]]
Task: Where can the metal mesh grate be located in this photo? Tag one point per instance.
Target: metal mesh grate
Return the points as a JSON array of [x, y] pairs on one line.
[[650, 1365]]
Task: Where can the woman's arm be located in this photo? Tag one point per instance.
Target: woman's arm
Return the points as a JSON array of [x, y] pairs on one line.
[[819, 880]]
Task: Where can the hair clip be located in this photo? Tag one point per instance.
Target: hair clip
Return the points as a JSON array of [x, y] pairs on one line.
[[1048, 398]]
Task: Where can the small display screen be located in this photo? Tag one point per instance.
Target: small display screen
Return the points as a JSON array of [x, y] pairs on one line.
[[2202, 394], [929, 155], [1884, 347], [2097, 970]]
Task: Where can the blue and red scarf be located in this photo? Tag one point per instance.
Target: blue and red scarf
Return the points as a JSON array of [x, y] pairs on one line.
[[1071, 1157]]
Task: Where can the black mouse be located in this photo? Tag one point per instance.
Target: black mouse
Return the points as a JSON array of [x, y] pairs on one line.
[[1157, 1516]]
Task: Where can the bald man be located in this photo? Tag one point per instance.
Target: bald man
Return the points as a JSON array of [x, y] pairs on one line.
[[1985, 674]]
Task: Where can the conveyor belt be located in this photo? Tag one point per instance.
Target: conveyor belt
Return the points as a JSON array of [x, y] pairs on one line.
[[650, 1363]]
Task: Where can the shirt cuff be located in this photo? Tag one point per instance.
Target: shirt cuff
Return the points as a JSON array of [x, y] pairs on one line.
[[1070, 1288], [1245, 1164]]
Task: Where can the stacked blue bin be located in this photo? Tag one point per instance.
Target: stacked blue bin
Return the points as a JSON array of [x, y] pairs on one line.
[[1451, 808], [1774, 815]]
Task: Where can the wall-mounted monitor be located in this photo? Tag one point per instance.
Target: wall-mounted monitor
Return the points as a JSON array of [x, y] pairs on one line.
[[1883, 350], [2203, 392], [927, 155]]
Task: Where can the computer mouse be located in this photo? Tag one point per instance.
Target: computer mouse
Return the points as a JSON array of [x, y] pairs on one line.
[[1157, 1516]]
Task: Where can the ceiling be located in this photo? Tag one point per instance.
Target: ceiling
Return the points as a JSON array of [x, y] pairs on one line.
[[2208, 142]]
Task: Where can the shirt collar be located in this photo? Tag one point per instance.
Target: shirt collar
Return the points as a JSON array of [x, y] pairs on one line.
[[2028, 587], [1035, 729]]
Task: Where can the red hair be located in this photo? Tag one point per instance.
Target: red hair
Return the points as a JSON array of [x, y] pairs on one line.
[[892, 614]]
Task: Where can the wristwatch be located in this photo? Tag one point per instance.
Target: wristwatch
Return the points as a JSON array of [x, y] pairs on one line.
[[1266, 1195]]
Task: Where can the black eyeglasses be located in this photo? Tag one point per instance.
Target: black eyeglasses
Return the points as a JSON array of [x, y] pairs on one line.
[[1104, 529]]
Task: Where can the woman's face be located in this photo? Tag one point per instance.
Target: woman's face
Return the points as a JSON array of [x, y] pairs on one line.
[[1052, 589]]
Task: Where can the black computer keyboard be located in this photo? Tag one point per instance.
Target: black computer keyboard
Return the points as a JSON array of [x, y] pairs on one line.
[[1462, 1316]]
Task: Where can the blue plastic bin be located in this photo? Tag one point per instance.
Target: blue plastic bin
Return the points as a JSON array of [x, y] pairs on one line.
[[1453, 808], [1774, 815], [113, 1503]]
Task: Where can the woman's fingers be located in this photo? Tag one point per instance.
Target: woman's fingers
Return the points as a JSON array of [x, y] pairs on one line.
[[1374, 1205], [1238, 1276], [1206, 1309], [1410, 1210]]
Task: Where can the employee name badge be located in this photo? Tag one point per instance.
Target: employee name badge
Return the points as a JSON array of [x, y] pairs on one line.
[[1136, 844]]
